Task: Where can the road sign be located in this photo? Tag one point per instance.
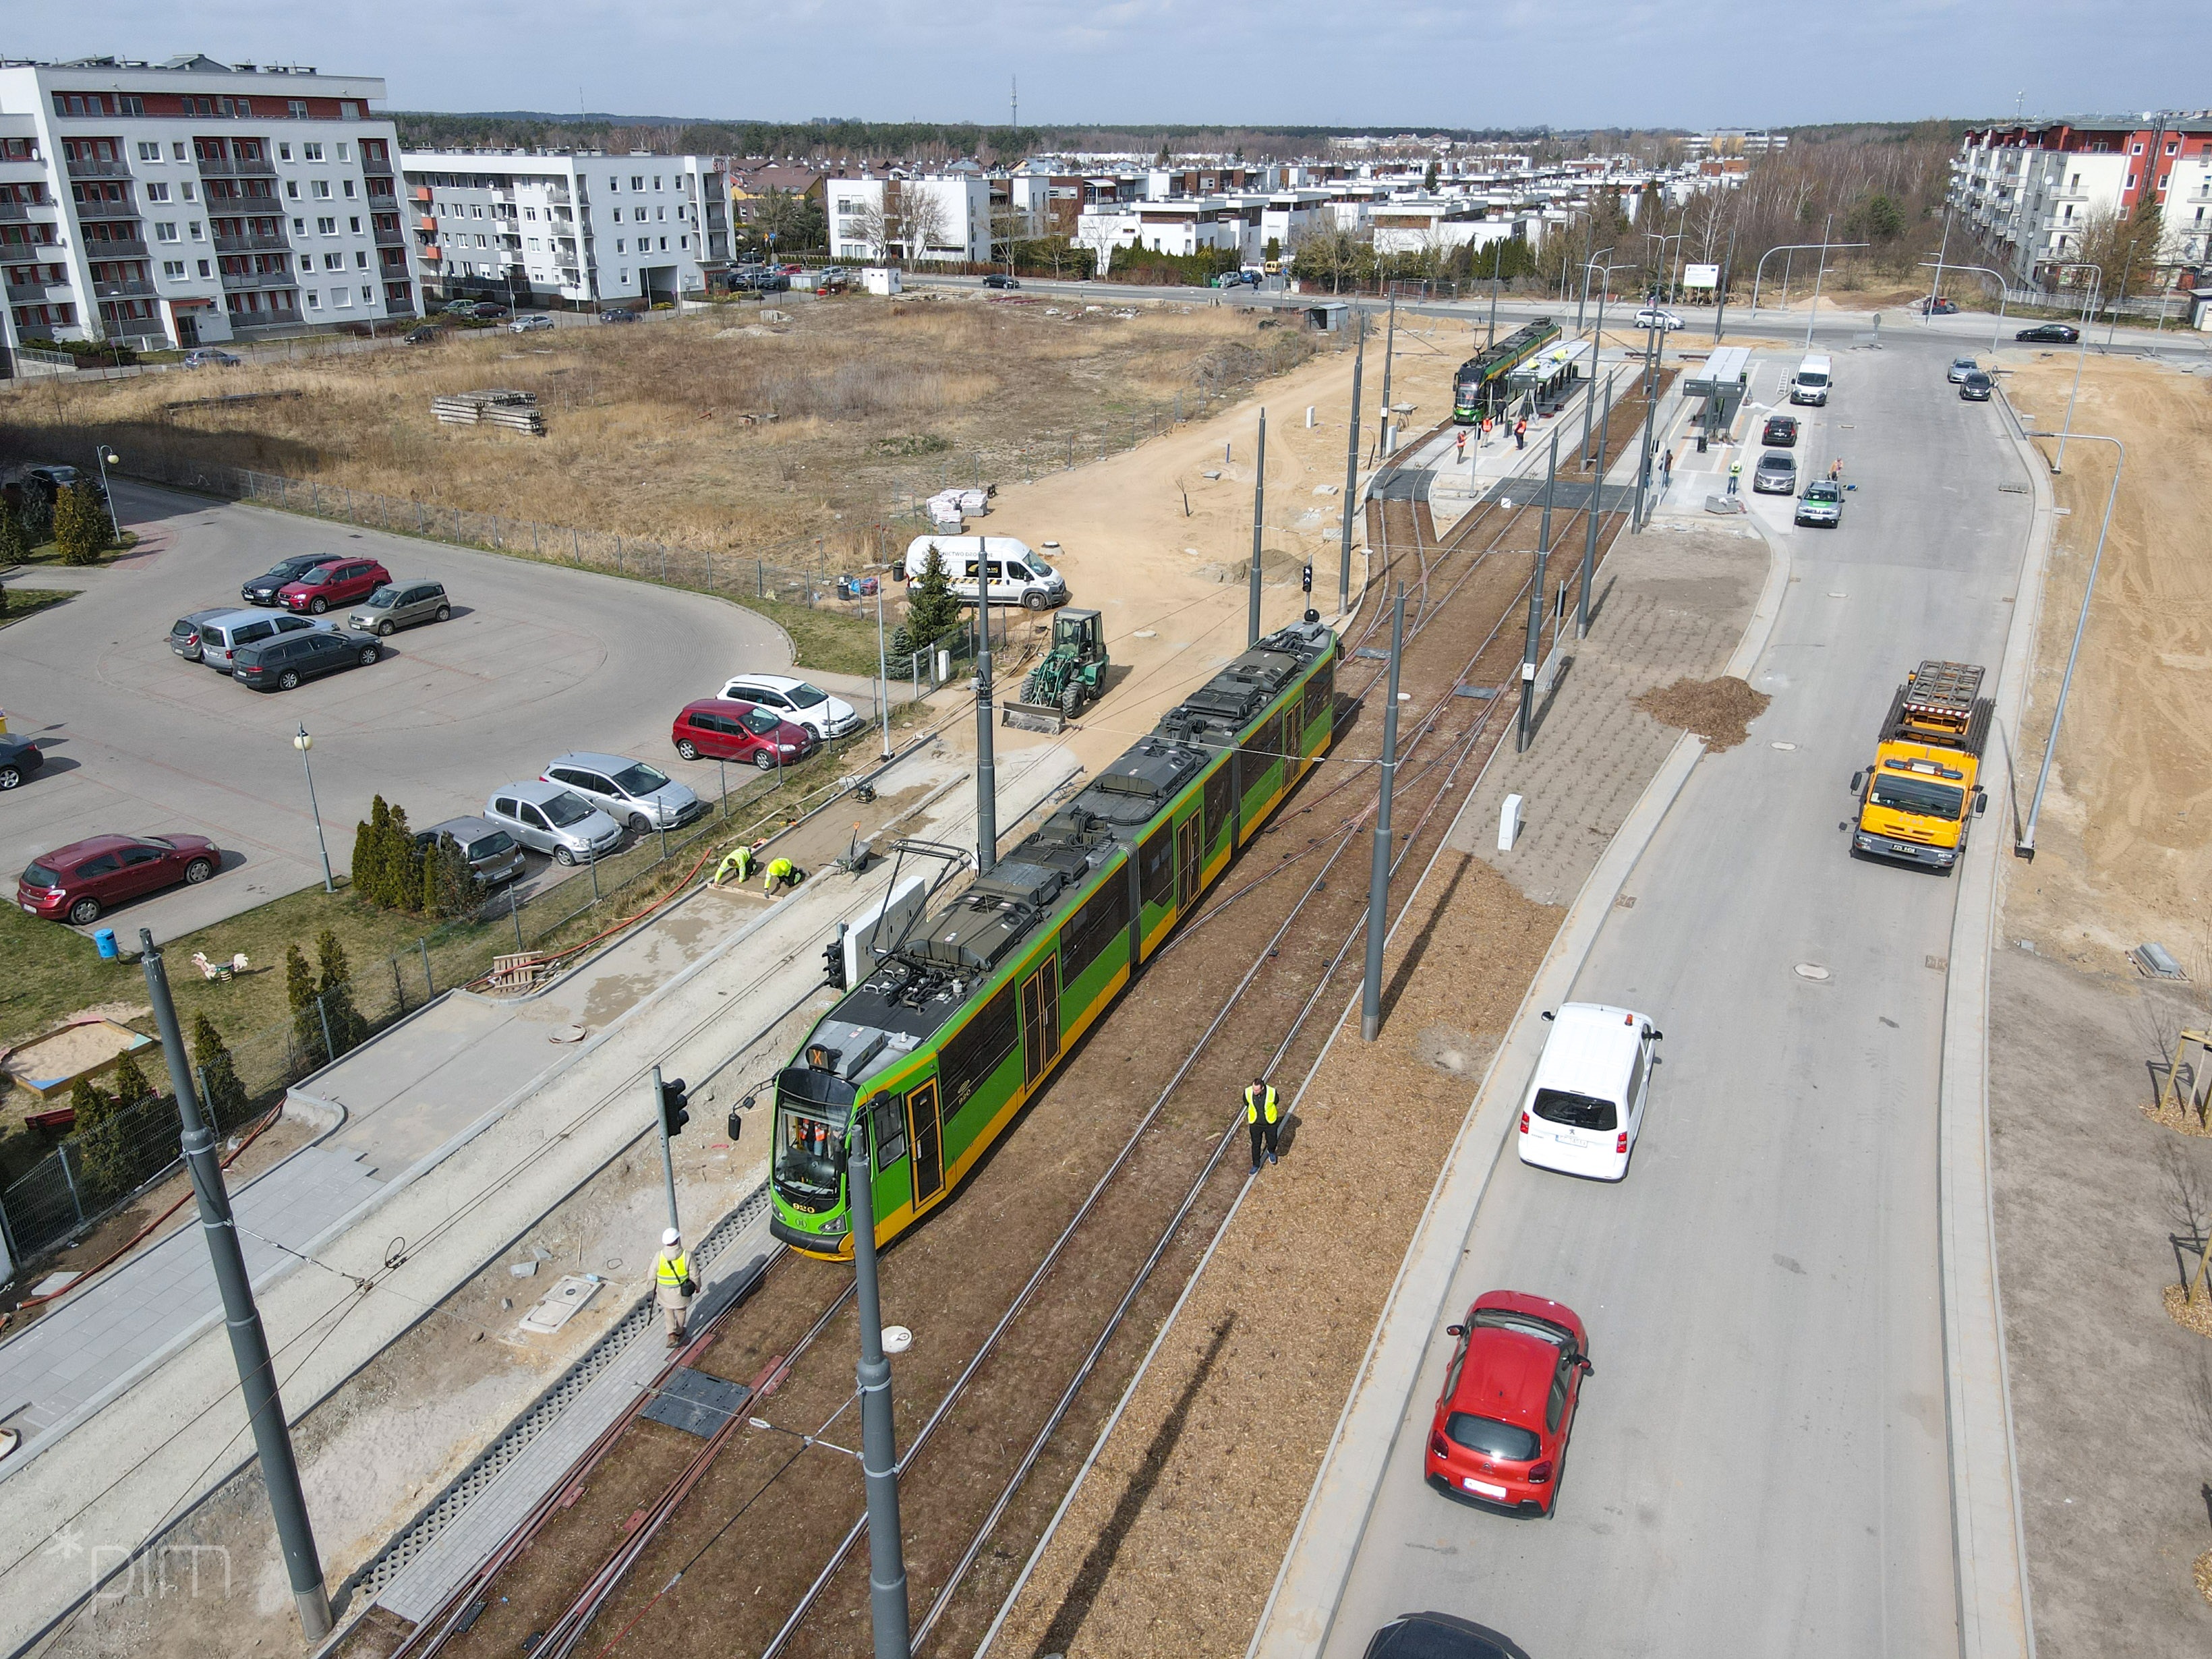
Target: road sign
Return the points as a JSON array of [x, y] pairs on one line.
[[1701, 275]]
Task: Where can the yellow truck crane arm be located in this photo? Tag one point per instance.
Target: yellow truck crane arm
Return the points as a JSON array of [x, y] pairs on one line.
[[1922, 789]]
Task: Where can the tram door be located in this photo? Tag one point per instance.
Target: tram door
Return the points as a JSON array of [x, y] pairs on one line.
[[1186, 864], [1041, 1018], [925, 1134]]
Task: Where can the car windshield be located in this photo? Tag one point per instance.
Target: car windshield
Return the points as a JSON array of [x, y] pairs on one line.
[[804, 696], [1038, 568], [1776, 463], [1575, 1111], [1919, 796], [565, 809], [316, 577], [40, 875], [1823, 491], [1810, 377], [1507, 1441], [1964, 362], [183, 625], [640, 778], [384, 599], [1977, 381], [809, 1152], [1508, 1318], [761, 721], [491, 845]]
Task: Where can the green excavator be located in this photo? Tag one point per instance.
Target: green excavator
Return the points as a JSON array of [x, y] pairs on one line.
[[1073, 673]]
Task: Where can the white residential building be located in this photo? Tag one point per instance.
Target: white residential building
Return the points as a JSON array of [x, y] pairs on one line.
[[189, 202], [2028, 192], [579, 228], [945, 218]]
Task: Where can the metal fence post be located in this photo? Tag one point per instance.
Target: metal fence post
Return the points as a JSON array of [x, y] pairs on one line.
[[323, 1014], [398, 991], [430, 989], [594, 859], [514, 911], [76, 1202]]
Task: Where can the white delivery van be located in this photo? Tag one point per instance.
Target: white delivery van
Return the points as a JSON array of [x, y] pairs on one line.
[[1814, 376], [1585, 1105], [1013, 574]]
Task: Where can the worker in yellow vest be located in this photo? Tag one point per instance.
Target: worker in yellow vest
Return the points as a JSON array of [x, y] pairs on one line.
[[673, 1286], [781, 872], [735, 866], [1262, 1120]]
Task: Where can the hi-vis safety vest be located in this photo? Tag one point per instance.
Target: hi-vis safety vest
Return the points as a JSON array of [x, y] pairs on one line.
[[782, 870], [674, 1270], [738, 863], [1255, 1102]]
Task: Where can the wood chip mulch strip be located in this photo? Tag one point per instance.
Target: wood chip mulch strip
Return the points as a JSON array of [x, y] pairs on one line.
[[1720, 711], [2171, 1115], [2195, 1314]]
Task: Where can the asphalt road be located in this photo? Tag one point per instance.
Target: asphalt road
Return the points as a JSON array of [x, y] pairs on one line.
[[536, 660], [1759, 1463]]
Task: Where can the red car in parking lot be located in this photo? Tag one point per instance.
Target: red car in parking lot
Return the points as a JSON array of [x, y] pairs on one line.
[[1507, 1404], [78, 882], [334, 581], [722, 728]]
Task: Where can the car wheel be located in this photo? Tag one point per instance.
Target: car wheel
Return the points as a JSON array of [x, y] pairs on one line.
[[385, 631], [199, 871], [318, 606], [763, 760], [287, 681], [562, 855], [369, 653], [639, 826], [84, 912], [445, 613], [1035, 601], [686, 748], [10, 776]]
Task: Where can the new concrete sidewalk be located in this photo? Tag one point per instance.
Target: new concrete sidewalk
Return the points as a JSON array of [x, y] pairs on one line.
[[111, 1478]]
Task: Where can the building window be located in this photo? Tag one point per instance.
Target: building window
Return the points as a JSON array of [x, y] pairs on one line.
[[188, 190], [354, 222], [157, 192], [299, 227], [284, 152], [320, 188], [349, 188], [292, 188], [342, 297], [176, 150], [311, 152], [307, 264], [637, 182], [623, 276], [164, 231], [197, 232], [345, 150], [348, 111], [149, 152], [326, 227], [204, 269], [334, 262], [314, 300], [173, 268], [361, 259], [618, 248]]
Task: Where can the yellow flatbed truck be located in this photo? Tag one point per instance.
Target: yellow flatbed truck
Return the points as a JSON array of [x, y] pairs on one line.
[[1924, 788]]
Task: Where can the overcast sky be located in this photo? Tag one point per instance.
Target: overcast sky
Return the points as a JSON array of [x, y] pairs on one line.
[[1478, 62]]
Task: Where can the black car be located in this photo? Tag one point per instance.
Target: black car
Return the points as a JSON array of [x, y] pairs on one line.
[[19, 758], [1781, 431], [2051, 334], [280, 663], [1440, 1636], [263, 588], [51, 480], [428, 334], [619, 314], [1976, 387], [1001, 280], [1939, 307]]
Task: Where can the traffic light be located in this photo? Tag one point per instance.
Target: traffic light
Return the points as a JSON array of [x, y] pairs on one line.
[[1305, 581], [833, 960], [675, 1108]]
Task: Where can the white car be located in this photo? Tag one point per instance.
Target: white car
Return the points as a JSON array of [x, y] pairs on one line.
[[1651, 317], [1586, 1102], [1961, 367], [530, 325], [802, 704]]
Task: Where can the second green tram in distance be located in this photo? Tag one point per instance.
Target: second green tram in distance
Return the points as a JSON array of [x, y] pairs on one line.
[[948, 1036], [1480, 387]]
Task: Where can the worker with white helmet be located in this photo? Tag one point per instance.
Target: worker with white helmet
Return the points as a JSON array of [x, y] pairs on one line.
[[673, 1285]]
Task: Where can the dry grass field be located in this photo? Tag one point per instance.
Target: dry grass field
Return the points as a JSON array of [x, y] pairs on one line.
[[718, 431]]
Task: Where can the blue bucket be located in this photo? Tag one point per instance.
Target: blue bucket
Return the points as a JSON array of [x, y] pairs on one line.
[[104, 942]]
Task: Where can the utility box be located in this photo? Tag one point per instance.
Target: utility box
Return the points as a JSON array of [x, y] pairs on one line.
[[880, 280], [1509, 823]]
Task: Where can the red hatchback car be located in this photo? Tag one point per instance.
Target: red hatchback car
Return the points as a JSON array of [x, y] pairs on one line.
[[334, 581], [78, 882], [1507, 1404], [723, 728]]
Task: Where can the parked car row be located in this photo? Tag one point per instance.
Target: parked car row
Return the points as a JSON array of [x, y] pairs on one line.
[[1822, 502], [276, 653]]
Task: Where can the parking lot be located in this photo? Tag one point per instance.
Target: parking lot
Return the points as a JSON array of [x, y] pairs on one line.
[[536, 660]]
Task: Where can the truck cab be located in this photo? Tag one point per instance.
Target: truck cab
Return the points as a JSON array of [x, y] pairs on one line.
[[1921, 790]]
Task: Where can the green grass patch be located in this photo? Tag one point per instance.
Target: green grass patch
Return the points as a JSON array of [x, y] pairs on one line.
[[29, 601], [827, 640], [46, 553]]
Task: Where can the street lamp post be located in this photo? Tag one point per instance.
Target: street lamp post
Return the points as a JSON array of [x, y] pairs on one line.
[[108, 457], [1760, 270], [2081, 355], [303, 743], [1819, 272], [2004, 293], [1581, 305], [2025, 847], [1935, 282]]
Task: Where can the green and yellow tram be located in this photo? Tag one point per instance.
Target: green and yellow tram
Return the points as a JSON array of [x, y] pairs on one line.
[[1479, 386], [955, 1026]]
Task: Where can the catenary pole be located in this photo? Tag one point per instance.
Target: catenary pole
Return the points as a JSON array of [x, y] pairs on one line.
[[1259, 517], [986, 776], [887, 1599], [1590, 546], [1350, 473], [1389, 358], [1528, 655], [249, 1343], [1378, 879], [667, 1160]]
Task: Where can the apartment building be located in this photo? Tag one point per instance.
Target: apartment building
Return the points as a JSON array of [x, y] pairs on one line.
[[2029, 191], [946, 217], [1735, 141], [192, 201], [536, 227]]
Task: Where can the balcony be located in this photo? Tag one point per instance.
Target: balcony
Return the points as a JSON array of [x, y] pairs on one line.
[[428, 226], [420, 193], [255, 243], [37, 292], [138, 289], [233, 167], [21, 211], [116, 247], [378, 164], [236, 281], [432, 254], [125, 209], [100, 169], [393, 236]]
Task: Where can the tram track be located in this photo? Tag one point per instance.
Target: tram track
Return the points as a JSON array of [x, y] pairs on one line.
[[1161, 1193]]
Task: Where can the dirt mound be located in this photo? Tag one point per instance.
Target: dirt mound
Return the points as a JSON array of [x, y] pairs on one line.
[[1720, 711]]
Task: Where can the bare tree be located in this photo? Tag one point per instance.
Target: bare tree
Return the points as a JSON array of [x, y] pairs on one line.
[[923, 221], [1101, 235]]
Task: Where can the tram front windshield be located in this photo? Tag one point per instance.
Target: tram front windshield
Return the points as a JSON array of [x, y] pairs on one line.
[[809, 1152]]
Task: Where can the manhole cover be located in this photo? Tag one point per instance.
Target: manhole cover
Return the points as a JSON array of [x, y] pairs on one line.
[[1784, 746], [1810, 971], [566, 1034]]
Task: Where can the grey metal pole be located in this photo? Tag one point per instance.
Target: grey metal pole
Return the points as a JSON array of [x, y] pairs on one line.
[[1378, 879], [1259, 516], [1496, 260], [1818, 272], [1597, 352], [883, 674], [304, 743], [986, 776], [1529, 653], [1590, 546], [1389, 357], [2025, 847], [887, 1599], [1720, 298], [2081, 357], [1935, 282], [667, 1160], [249, 1343], [1650, 430], [1351, 471]]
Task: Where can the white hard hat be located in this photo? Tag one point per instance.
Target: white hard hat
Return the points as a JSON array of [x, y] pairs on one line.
[[672, 1236]]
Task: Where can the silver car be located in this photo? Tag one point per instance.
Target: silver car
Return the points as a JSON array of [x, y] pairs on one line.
[[628, 790], [491, 852], [184, 632], [400, 604], [1961, 367], [1776, 475], [553, 819], [227, 631]]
